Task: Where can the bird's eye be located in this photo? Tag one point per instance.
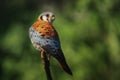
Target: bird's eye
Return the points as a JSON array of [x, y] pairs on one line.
[[47, 15], [53, 17]]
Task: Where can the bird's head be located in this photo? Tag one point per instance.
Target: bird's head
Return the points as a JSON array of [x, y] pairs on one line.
[[47, 16]]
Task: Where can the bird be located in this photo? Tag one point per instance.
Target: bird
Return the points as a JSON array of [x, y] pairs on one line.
[[44, 38]]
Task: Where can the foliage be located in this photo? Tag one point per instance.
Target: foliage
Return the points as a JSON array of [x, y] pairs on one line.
[[89, 31]]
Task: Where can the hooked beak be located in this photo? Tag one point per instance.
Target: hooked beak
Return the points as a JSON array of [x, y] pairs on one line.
[[50, 20]]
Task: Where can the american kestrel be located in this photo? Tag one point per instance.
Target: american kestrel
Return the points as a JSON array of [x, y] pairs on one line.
[[45, 38]]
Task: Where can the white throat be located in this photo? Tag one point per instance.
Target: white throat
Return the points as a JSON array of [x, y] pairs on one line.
[[44, 18]]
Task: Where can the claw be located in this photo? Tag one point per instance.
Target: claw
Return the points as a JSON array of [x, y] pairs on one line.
[[49, 57]]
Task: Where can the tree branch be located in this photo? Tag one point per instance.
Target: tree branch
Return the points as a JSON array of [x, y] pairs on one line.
[[46, 64]]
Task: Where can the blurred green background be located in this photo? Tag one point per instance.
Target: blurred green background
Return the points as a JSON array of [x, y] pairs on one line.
[[89, 31]]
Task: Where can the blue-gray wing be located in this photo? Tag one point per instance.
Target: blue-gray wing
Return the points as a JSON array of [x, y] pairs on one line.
[[49, 45]]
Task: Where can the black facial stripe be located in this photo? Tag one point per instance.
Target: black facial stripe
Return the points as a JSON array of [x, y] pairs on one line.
[[41, 18], [53, 15]]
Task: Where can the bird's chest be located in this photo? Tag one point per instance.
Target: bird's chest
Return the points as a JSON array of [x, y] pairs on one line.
[[44, 29], [43, 35]]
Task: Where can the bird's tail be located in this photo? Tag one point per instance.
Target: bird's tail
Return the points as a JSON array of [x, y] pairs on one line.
[[61, 59]]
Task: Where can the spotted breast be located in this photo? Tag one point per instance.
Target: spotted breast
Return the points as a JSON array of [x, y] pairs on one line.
[[43, 35]]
